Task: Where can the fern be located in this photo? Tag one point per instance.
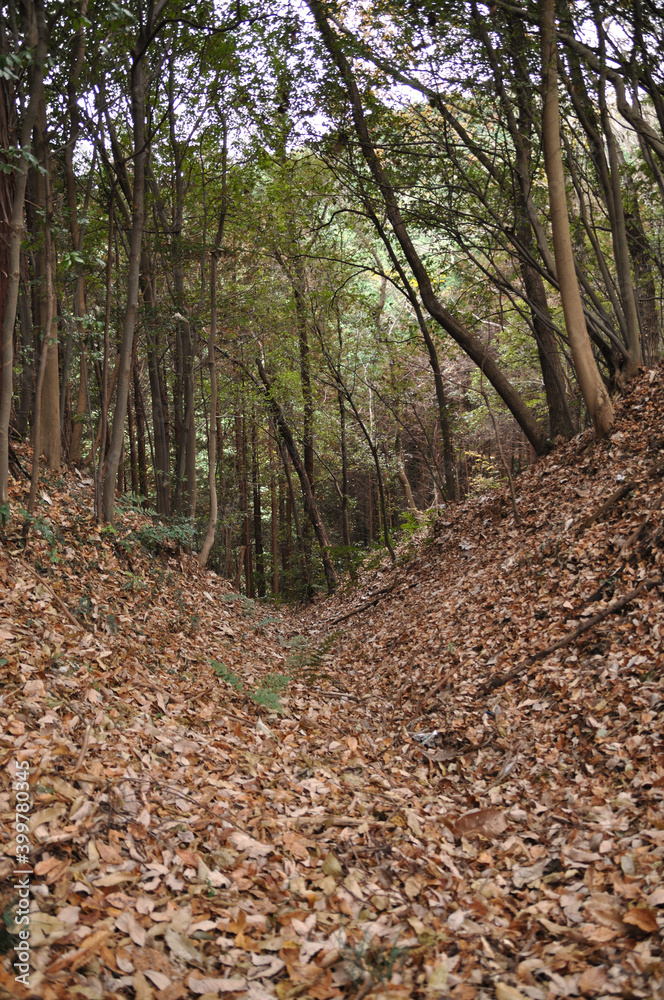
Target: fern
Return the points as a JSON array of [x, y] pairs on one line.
[[269, 700], [307, 659], [221, 670]]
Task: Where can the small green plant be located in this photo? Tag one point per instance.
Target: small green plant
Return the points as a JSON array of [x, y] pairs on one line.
[[305, 659], [347, 557], [269, 620], [246, 603], [134, 503], [410, 523], [159, 535], [221, 670], [267, 694], [372, 963]]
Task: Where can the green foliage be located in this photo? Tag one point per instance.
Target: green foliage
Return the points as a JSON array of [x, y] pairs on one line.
[[246, 603], [348, 558], [305, 659], [176, 533], [409, 522], [227, 675], [485, 475], [266, 694], [372, 962]]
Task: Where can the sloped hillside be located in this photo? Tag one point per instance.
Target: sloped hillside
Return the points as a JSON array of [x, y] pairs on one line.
[[528, 657], [446, 782]]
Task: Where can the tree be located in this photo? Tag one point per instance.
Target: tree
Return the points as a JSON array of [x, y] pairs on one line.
[[35, 40], [594, 391]]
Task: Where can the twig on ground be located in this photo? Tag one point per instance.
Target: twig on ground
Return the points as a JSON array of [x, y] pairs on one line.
[[370, 604], [621, 492], [53, 594], [612, 609], [84, 749]]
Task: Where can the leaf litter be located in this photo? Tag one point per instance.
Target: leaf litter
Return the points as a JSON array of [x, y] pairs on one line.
[[431, 801]]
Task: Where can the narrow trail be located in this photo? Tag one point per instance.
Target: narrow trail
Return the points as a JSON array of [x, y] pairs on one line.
[[438, 784]]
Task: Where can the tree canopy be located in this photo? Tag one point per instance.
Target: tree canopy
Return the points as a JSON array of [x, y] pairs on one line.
[[290, 275]]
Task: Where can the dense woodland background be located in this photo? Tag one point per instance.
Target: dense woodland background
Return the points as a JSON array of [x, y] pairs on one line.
[[292, 274]]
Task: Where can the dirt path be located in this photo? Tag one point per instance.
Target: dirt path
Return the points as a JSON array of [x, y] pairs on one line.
[[396, 793]]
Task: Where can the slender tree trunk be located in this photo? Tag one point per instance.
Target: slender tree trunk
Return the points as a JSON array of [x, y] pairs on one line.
[[258, 516], [401, 474], [105, 393], [641, 256], [133, 459], [138, 95], [614, 201], [345, 520], [560, 418], [274, 520], [47, 318], [212, 433], [49, 408], [382, 516], [285, 517], [242, 476], [37, 37], [28, 369], [140, 437], [161, 448], [590, 381], [78, 58], [212, 363], [293, 520], [307, 493]]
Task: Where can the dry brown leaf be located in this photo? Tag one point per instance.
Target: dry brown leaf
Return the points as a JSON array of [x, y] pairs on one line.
[[216, 986], [142, 988], [643, 918], [592, 980], [505, 992], [489, 823], [247, 845]]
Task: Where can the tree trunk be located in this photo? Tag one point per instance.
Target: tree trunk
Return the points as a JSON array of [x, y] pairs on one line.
[[345, 520], [37, 36], [258, 516], [307, 493], [401, 474], [560, 418], [274, 521], [642, 262], [242, 478], [138, 96], [212, 364], [47, 319], [133, 459], [212, 432], [590, 381], [28, 369], [140, 437], [49, 404]]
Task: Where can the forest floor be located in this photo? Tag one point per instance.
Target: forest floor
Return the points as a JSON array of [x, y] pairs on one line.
[[402, 791]]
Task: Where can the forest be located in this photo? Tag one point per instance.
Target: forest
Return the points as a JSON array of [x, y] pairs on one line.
[[290, 278], [331, 513]]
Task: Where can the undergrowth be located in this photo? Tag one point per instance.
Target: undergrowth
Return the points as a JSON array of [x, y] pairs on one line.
[[304, 662]]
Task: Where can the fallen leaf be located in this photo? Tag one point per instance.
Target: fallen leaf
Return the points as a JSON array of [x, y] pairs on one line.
[[216, 986], [489, 823], [643, 918]]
